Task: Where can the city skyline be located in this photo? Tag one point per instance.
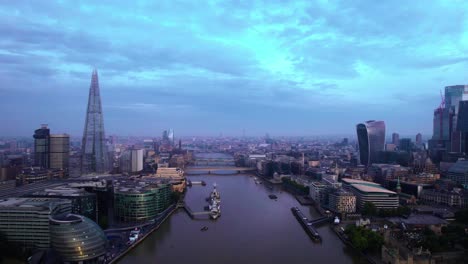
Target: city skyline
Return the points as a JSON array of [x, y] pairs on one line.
[[262, 67]]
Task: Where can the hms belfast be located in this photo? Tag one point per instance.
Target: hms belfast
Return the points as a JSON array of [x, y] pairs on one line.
[[214, 203]]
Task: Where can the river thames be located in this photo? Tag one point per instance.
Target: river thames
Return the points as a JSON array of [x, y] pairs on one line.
[[252, 229]]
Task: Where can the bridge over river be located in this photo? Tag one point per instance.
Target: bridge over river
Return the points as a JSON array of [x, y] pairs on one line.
[[219, 170]]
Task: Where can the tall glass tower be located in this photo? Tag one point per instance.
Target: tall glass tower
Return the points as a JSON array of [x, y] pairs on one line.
[[371, 139], [94, 157]]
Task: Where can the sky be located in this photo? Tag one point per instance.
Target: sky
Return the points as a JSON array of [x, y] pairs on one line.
[[292, 68]]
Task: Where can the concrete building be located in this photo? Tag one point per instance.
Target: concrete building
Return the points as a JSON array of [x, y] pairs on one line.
[[371, 192], [445, 197], [25, 221], [342, 202], [37, 174], [77, 239]]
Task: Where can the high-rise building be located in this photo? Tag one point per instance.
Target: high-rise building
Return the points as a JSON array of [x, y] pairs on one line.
[[371, 140], [132, 160], [59, 151], [170, 135], [406, 145], [42, 147], [395, 139], [462, 129], [95, 158], [418, 139], [445, 135]]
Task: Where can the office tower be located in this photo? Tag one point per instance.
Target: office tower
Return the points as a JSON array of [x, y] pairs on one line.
[[94, 158], [445, 135], [170, 136], [419, 139], [405, 144], [371, 140], [42, 147], [462, 128], [131, 160], [395, 139], [370, 192], [59, 151]]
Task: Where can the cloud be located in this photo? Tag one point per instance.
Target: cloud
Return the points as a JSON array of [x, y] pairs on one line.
[[243, 61]]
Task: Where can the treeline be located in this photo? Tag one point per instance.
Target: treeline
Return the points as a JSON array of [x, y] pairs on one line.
[[298, 188], [364, 239]]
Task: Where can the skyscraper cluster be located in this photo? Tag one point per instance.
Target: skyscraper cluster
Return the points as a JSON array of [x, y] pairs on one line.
[[450, 126]]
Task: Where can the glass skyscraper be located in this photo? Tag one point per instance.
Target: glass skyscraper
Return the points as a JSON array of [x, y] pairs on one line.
[[95, 158], [371, 140], [42, 147]]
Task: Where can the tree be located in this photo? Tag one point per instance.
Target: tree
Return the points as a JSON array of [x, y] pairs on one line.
[[369, 209]]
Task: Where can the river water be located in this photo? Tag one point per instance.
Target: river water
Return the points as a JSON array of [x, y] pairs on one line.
[[252, 229]]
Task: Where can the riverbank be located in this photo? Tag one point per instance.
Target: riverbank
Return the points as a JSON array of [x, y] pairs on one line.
[[136, 243]]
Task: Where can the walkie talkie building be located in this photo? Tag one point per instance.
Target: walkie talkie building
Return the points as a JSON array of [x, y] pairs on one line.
[[371, 139]]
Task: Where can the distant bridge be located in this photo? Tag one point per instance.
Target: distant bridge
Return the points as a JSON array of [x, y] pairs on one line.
[[211, 162], [219, 170]]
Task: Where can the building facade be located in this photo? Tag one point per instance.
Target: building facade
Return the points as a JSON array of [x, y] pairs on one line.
[[371, 140], [41, 147], [140, 203], [25, 221], [342, 202], [59, 151]]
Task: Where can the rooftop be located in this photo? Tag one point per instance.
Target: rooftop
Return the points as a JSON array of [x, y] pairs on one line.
[[366, 186], [44, 203], [461, 166]]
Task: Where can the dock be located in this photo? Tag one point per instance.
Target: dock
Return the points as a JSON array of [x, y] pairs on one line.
[[309, 226]]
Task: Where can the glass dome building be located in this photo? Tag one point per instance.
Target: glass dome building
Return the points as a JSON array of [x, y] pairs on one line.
[[77, 239]]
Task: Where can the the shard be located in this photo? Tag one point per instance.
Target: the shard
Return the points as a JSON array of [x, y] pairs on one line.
[[94, 150]]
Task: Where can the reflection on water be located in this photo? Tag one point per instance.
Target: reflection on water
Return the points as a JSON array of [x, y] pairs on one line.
[[252, 229]]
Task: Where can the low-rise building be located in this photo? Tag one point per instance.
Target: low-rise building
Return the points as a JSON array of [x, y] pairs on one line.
[[371, 192], [454, 198], [342, 202]]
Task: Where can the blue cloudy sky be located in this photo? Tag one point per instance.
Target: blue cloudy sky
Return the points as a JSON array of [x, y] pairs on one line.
[[205, 67]]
